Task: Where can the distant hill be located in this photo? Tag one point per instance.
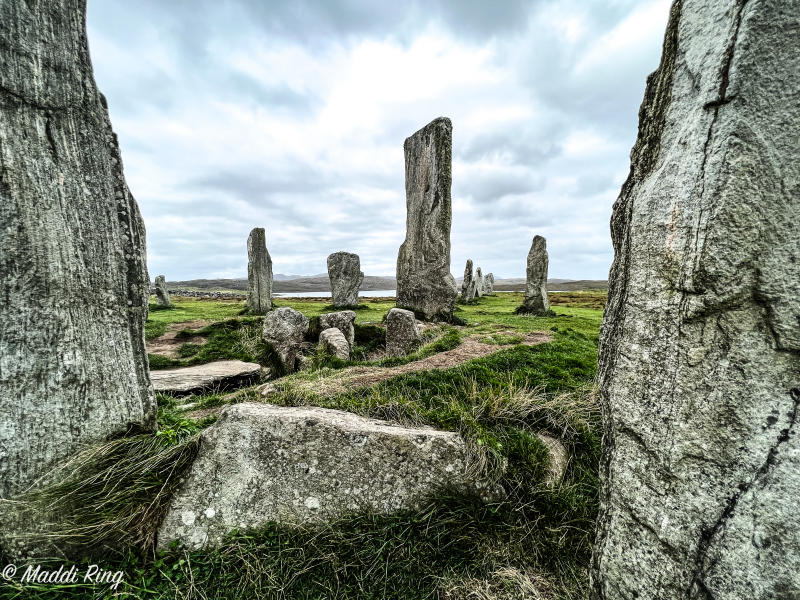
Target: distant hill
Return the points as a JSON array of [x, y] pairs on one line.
[[517, 284]]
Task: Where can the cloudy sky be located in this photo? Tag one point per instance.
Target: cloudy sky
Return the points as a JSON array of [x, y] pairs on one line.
[[291, 116]]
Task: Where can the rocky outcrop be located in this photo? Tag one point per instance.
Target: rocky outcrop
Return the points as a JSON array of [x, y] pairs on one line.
[[259, 273], [261, 463], [424, 282], [402, 333], [699, 373], [73, 278], [536, 301], [162, 294], [213, 376], [479, 284], [344, 271], [466, 283], [343, 320], [333, 342], [285, 330]]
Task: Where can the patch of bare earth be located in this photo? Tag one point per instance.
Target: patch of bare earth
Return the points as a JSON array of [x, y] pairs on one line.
[[167, 344]]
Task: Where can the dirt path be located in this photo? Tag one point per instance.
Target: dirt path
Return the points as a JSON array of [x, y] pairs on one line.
[[167, 344]]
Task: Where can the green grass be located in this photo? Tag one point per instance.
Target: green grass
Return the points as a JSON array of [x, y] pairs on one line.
[[539, 537]]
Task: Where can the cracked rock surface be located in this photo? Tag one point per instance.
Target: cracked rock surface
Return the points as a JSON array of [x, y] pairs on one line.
[[260, 463], [259, 273], [74, 287], [699, 371]]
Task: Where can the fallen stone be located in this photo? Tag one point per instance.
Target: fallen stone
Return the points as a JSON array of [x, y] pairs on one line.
[[73, 276], [466, 284], [699, 358], [344, 321], [259, 273], [344, 271], [285, 330], [536, 301], [162, 294], [424, 282], [218, 375], [333, 341], [402, 333], [261, 463]]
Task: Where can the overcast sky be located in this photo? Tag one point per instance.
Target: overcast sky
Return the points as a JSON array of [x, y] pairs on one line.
[[292, 116]]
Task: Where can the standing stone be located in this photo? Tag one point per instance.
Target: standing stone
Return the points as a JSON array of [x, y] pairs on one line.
[[536, 301], [343, 320], [285, 330], [344, 271], [473, 285], [479, 284], [402, 334], [467, 282], [333, 341], [73, 277], [162, 294], [699, 373], [424, 282], [259, 273], [488, 282]]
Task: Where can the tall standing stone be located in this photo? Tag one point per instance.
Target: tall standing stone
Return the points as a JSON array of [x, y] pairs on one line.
[[479, 284], [424, 282], [73, 278], [699, 374], [162, 293], [259, 273], [489, 284], [536, 301], [344, 271], [467, 282]]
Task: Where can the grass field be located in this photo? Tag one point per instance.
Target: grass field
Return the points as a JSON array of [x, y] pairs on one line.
[[536, 541]]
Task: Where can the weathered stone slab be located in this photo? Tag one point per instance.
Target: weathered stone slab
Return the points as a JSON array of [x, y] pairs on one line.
[[162, 294], [218, 375], [466, 283], [285, 329], [536, 300], [424, 282], [333, 341], [259, 273], [402, 333], [344, 321], [260, 463], [699, 373], [73, 277], [344, 271]]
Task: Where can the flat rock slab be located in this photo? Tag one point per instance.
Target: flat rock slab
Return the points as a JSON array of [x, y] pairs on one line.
[[260, 463], [222, 374]]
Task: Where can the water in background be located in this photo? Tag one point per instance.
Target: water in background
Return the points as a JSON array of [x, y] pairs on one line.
[[361, 294]]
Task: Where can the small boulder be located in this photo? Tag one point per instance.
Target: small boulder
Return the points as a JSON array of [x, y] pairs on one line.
[[162, 295], [285, 330], [333, 341], [402, 333], [261, 463], [343, 320]]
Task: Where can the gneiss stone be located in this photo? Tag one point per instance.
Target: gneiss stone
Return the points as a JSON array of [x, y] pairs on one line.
[[162, 295], [261, 463], [343, 320], [344, 271], [332, 340], [479, 287], [699, 372], [467, 282], [424, 282], [488, 282], [285, 330], [218, 375], [536, 301], [259, 273], [402, 334], [73, 277]]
